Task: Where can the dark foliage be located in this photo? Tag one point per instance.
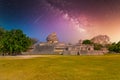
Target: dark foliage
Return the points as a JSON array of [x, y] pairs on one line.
[[115, 47], [14, 42], [87, 42]]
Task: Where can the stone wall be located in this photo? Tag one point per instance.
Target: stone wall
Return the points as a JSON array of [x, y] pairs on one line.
[[83, 52], [47, 49]]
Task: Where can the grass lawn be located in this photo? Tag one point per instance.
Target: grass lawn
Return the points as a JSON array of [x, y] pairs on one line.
[[61, 68]]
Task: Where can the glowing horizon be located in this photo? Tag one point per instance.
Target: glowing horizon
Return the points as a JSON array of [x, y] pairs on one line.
[[71, 20]]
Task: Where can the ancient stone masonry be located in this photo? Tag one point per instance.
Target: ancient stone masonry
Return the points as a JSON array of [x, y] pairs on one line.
[[52, 38], [79, 49], [44, 48], [101, 39], [53, 46]]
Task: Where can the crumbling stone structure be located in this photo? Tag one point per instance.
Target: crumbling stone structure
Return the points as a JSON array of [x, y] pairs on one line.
[[53, 46], [101, 39], [52, 38]]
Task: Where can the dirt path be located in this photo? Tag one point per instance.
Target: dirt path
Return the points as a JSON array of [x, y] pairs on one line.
[[24, 56]]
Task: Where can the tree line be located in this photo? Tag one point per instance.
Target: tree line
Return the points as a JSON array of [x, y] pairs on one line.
[[113, 47], [14, 42]]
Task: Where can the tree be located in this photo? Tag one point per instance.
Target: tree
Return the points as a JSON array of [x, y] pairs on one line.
[[14, 42], [97, 46], [112, 47], [87, 42], [2, 32], [115, 47]]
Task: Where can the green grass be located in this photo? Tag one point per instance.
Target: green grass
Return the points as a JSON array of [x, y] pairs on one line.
[[61, 68]]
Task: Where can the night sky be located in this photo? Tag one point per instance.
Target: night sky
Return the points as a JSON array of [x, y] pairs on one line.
[[72, 20]]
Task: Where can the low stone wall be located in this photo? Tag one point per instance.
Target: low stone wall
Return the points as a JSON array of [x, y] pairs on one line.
[[69, 52], [47, 49], [83, 53]]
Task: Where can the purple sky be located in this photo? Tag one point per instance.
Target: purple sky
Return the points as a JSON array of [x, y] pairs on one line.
[[70, 19]]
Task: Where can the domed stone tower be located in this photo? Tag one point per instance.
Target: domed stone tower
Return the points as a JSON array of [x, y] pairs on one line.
[[52, 38]]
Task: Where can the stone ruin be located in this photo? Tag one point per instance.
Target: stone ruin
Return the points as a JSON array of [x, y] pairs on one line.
[[101, 39], [53, 46], [52, 38]]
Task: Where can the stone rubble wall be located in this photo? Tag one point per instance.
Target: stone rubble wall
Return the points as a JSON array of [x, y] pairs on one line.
[[83, 53]]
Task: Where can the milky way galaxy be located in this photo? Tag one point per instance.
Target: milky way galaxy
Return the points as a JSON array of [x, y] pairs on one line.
[[78, 22], [70, 19]]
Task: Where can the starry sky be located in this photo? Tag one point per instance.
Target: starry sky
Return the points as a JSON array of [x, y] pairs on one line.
[[72, 20]]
